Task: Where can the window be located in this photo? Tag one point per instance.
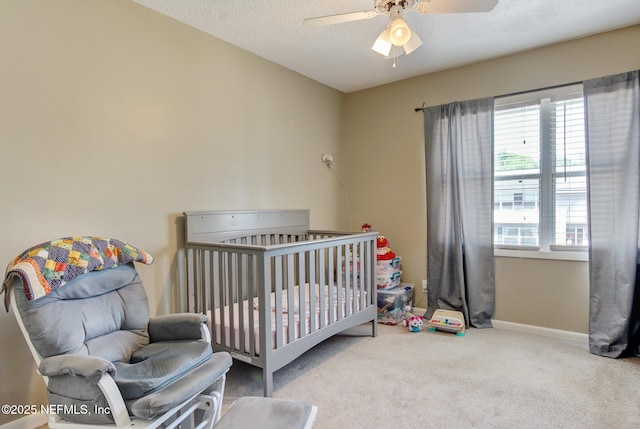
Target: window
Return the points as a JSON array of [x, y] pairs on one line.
[[540, 186]]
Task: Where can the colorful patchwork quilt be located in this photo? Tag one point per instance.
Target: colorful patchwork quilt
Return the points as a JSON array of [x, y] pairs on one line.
[[49, 266]]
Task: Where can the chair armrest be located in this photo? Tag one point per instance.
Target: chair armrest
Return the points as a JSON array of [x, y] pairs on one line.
[[180, 326], [116, 404], [95, 371], [89, 367]]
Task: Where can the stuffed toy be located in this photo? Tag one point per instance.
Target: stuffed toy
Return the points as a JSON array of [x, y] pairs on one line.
[[411, 321], [384, 253]]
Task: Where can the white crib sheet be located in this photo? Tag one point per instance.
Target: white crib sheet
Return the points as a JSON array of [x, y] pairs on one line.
[[248, 306]]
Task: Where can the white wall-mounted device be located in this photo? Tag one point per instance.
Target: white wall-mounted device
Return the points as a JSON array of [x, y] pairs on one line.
[[327, 158]]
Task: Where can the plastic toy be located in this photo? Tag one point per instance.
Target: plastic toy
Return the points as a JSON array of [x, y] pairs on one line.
[[367, 228], [388, 264], [384, 251], [447, 320], [411, 321]]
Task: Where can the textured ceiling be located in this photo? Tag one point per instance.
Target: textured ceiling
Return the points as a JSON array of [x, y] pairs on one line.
[[340, 55]]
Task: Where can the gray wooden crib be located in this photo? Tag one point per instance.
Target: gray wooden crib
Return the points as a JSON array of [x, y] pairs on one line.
[[247, 270]]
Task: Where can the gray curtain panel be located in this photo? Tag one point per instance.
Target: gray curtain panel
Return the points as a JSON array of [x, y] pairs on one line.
[[613, 150], [459, 174]]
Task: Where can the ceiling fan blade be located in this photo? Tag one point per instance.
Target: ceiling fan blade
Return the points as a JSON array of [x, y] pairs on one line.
[[455, 6], [340, 18]]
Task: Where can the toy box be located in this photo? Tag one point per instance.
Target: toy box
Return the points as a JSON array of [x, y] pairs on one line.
[[388, 281], [388, 266], [392, 303]]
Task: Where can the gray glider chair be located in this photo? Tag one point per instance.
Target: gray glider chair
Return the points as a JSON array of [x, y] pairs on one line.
[[106, 362]]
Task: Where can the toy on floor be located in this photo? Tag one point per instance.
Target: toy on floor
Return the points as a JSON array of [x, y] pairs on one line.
[[411, 321], [447, 320]]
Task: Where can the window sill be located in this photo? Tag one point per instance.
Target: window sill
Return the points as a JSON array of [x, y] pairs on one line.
[[542, 254]]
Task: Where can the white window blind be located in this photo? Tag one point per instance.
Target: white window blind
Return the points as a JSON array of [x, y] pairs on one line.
[[540, 171]]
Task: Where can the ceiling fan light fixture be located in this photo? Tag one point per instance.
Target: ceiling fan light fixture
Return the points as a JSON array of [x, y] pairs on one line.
[[399, 32], [394, 53], [383, 44], [413, 44]]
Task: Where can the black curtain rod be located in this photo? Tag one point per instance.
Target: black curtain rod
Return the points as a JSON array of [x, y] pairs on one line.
[[424, 105], [546, 88]]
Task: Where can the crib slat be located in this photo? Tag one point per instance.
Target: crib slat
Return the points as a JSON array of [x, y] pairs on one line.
[[302, 293], [311, 264], [212, 295], [278, 282], [222, 282], [342, 279], [191, 293], [240, 297], [321, 281], [355, 278], [201, 278], [251, 294], [193, 286], [231, 298], [331, 272], [291, 302], [361, 293], [348, 250], [363, 283], [264, 272], [353, 302]]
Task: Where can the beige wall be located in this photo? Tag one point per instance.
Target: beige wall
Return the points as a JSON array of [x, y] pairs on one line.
[[115, 119], [386, 136]]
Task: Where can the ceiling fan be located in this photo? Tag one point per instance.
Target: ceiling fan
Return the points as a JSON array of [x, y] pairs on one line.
[[397, 38]]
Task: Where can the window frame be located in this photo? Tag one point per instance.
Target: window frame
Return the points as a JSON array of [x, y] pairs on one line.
[[546, 176]]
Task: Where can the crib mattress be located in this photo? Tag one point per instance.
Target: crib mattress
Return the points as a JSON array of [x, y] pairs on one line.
[[242, 329]]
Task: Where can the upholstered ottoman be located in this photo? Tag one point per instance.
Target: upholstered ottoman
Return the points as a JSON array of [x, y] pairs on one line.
[[268, 413]]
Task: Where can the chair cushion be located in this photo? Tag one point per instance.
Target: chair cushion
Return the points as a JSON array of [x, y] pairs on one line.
[[158, 364], [67, 322], [201, 380]]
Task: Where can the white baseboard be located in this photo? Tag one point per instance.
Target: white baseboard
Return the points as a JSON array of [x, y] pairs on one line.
[[575, 337], [31, 421], [418, 311], [559, 334]]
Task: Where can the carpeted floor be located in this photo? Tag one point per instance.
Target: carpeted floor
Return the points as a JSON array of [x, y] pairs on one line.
[[490, 378]]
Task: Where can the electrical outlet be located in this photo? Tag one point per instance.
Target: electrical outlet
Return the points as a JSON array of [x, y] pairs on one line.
[[424, 285]]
